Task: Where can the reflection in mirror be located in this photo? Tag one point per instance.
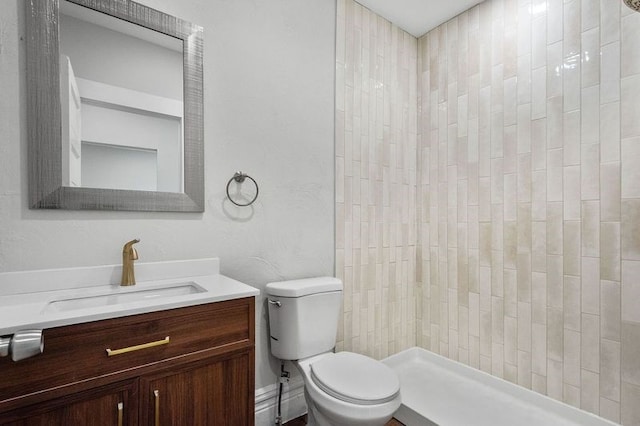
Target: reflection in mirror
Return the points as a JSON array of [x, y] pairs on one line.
[[114, 101], [122, 103]]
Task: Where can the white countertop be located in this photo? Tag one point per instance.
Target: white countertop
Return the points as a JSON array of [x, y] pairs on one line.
[[32, 309]]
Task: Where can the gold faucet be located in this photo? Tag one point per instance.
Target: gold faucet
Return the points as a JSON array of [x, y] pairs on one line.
[[129, 254]]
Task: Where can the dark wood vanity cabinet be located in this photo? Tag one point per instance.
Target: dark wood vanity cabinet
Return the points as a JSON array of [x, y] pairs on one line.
[[203, 375]]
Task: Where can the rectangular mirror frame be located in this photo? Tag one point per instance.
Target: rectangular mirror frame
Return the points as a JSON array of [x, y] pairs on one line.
[[44, 113]]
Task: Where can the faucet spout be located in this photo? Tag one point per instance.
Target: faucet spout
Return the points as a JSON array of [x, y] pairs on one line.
[[129, 254]]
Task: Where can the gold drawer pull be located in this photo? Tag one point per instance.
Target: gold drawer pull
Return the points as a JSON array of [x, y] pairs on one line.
[[120, 413], [113, 352], [156, 397]]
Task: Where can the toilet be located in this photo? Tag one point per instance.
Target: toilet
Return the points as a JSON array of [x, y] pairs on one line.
[[341, 388]]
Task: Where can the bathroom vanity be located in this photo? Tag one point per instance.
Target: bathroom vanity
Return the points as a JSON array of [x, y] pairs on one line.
[[180, 361]]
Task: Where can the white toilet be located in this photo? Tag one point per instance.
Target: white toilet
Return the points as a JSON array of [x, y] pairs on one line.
[[342, 388]]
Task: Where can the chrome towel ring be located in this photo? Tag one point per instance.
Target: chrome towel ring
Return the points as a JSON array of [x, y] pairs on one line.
[[240, 177]]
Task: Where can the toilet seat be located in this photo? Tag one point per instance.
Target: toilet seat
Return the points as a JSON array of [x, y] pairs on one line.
[[355, 378]]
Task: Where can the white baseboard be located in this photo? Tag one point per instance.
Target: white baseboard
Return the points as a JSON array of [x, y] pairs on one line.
[[293, 403]]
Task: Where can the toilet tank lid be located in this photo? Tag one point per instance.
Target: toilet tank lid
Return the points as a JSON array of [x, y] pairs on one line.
[[303, 287]]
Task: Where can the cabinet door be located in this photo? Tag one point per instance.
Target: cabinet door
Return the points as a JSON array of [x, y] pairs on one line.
[[213, 392], [112, 405]]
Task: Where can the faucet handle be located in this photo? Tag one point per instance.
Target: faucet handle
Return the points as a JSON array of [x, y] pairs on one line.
[[128, 246], [134, 254]]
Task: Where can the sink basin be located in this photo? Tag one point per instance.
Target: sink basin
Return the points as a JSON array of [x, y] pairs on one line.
[[123, 295]]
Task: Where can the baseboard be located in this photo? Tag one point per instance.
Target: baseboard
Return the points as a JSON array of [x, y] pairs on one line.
[[293, 403]]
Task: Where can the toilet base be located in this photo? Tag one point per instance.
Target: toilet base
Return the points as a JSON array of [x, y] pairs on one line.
[[317, 415]]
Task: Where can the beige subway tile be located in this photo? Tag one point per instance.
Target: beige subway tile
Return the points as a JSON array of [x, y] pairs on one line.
[[474, 271], [539, 349], [572, 247], [524, 277], [510, 244], [485, 333], [554, 228], [630, 409], [610, 410], [609, 68], [539, 246], [510, 372], [590, 106], [610, 369], [539, 195], [539, 92], [539, 297], [554, 63], [589, 391], [609, 21], [510, 293], [554, 379], [555, 278], [610, 251], [590, 172], [610, 192], [523, 136], [555, 334], [630, 107], [630, 231], [571, 361], [630, 179], [510, 340], [539, 144], [591, 285], [539, 383], [571, 196], [571, 38], [538, 40], [485, 243], [510, 197], [571, 138], [524, 326], [571, 395], [629, 50], [590, 341], [630, 361], [610, 310], [571, 303], [555, 122], [610, 131], [591, 53], [524, 369], [590, 228]]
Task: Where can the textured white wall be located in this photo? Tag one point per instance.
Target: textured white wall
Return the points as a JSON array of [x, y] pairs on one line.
[[269, 102]]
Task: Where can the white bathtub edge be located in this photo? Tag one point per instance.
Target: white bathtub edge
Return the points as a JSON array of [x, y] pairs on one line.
[[544, 402]]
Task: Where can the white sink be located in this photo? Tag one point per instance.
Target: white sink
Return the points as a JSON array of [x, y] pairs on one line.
[[123, 295]]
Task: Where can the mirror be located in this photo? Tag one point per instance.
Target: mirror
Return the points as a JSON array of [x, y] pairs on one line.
[[115, 107]]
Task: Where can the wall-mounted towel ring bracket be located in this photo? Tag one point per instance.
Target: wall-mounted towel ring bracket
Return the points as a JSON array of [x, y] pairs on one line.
[[240, 177]]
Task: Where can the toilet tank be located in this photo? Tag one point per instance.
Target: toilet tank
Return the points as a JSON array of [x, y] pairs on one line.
[[303, 316]]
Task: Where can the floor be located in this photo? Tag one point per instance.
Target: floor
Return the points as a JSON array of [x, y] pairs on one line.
[[302, 421]]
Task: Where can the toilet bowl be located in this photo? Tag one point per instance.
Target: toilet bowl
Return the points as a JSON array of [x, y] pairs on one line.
[[348, 389], [341, 389]]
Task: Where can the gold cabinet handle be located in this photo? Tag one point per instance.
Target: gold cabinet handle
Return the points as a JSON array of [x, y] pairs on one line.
[[112, 352], [156, 396], [120, 413]]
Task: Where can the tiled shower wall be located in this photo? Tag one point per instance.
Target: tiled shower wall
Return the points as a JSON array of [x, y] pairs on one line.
[[526, 220], [530, 197], [376, 116]]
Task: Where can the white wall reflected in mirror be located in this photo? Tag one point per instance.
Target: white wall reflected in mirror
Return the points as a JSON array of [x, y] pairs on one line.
[[122, 103]]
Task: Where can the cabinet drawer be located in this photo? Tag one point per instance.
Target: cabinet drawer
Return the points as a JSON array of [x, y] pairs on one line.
[[79, 352]]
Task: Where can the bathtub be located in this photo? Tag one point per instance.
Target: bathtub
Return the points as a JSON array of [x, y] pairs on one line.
[[438, 391]]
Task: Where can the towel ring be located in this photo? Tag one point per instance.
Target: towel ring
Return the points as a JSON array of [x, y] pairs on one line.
[[240, 177]]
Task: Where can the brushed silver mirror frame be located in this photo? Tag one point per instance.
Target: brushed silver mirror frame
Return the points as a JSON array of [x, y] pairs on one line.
[[44, 113]]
